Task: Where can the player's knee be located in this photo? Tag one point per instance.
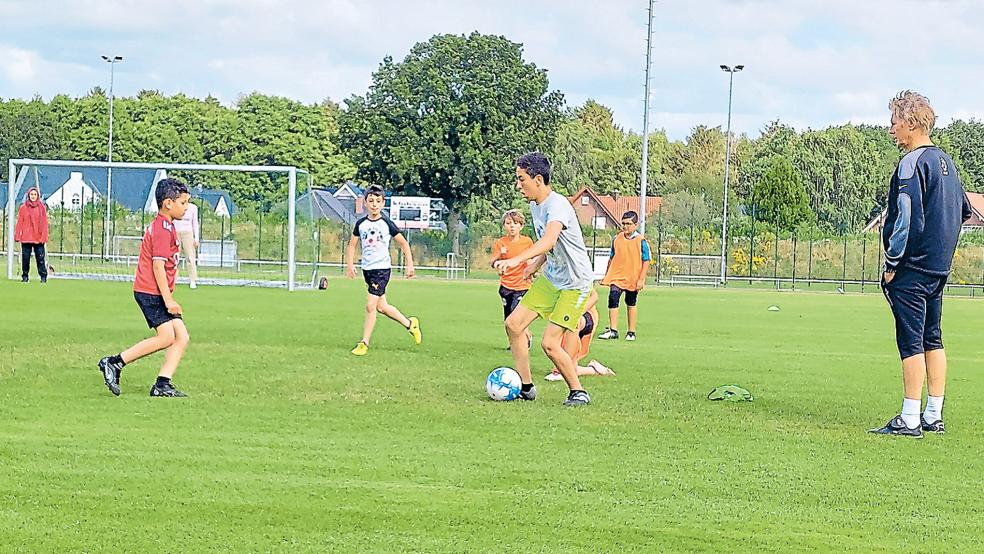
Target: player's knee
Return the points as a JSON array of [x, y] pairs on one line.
[[551, 345], [181, 339], [513, 328]]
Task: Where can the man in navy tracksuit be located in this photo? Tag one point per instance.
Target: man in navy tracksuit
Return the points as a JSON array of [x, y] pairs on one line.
[[926, 208]]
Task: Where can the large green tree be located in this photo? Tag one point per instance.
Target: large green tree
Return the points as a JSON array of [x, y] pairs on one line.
[[591, 150], [27, 130], [449, 120], [779, 196], [967, 140]]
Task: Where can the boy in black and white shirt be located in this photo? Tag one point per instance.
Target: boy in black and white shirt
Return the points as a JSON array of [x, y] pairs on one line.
[[375, 231]]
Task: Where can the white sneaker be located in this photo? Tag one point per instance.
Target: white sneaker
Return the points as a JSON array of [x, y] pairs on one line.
[[554, 376], [194, 286], [609, 334]]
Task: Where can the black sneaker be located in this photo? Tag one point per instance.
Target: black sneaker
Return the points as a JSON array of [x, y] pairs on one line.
[[166, 390], [528, 395], [111, 375], [896, 426], [24, 279], [630, 336], [935, 427], [577, 398]]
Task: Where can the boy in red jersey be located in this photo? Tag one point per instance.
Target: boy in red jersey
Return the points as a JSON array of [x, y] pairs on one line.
[[152, 289]]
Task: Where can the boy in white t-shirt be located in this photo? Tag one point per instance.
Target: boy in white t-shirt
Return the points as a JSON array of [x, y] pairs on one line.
[[375, 231]]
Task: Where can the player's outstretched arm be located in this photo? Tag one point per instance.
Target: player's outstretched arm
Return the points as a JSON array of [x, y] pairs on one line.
[[407, 255], [350, 257]]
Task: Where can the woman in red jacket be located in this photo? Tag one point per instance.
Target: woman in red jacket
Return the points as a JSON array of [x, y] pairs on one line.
[[32, 233]]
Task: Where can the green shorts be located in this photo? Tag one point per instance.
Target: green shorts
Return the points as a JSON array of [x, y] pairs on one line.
[[562, 307]]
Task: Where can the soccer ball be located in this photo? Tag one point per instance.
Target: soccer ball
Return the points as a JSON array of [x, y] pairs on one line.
[[503, 384]]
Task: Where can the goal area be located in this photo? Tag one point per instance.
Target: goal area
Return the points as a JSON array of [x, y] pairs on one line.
[[98, 211]]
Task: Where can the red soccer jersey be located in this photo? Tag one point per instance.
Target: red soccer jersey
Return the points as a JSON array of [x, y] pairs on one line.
[[160, 242]]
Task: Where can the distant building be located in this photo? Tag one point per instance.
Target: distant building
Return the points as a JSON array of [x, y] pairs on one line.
[[975, 223], [73, 187], [604, 211]]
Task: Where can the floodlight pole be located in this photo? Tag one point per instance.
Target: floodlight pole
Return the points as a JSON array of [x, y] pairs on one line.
[[727, 170], [11, 168], [112, 61], [645, 125]]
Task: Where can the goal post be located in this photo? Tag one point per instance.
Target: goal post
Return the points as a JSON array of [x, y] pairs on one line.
[[78, 192]]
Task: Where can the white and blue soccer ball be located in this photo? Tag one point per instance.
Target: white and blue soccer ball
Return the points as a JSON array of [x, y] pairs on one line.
[[503, 384]]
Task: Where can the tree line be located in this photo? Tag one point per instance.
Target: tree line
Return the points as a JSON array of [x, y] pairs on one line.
[[448, 121]]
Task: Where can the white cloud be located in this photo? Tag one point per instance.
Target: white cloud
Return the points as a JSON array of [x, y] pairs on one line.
[[809, 63]]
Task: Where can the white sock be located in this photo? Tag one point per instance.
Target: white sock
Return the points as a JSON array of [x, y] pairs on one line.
[[910, 412], [934, 408]]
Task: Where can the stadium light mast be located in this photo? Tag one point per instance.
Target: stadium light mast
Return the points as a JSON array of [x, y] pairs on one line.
[[112, 61], [727, 170], [645, 125]]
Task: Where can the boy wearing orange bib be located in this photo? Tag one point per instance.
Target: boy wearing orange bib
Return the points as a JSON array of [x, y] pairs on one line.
[[512, 284], [627, 268]]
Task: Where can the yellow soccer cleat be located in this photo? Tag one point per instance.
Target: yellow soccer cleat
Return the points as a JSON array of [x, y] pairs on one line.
[[415, 330], [361, 349]]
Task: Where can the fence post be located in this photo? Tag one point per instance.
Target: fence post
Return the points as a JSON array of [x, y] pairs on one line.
[[775, 259], [844, 274], [864, 252], [283, 237], [794, 259], [751, 246], [659, 244], [594, 236], [259, 240], [878, 268], [92, 226], [809, 263], [222, 244], [113, 215], [690, 258], [81, 221]]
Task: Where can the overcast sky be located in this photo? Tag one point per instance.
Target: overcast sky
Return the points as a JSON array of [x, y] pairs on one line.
[[809, 63]]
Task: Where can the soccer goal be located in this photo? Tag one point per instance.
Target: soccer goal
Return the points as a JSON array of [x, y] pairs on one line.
[[684, 269], [97, 213]]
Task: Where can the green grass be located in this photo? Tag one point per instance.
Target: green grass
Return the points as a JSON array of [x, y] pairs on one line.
[[289, 444]]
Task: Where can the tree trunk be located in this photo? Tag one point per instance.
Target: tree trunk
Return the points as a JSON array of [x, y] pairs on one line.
[[453, 219]]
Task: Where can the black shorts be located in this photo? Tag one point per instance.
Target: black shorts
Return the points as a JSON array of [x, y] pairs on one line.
[[589, 326], [153, 308], [615, 294], [376, 280], [510, 299], [916, 300]]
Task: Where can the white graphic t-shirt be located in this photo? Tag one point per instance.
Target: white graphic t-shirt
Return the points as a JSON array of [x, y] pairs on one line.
[[375, 235]]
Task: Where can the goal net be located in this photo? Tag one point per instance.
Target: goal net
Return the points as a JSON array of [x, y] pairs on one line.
[[98, 211]]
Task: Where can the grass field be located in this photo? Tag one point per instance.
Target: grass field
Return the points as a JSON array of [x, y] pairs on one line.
[[289, 444]]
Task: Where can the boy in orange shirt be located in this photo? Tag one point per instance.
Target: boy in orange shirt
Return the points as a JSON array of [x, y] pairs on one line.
[[627, 268], [512, 284], [153, 289]]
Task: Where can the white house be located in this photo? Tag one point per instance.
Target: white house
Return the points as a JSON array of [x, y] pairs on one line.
[[73, 194]]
